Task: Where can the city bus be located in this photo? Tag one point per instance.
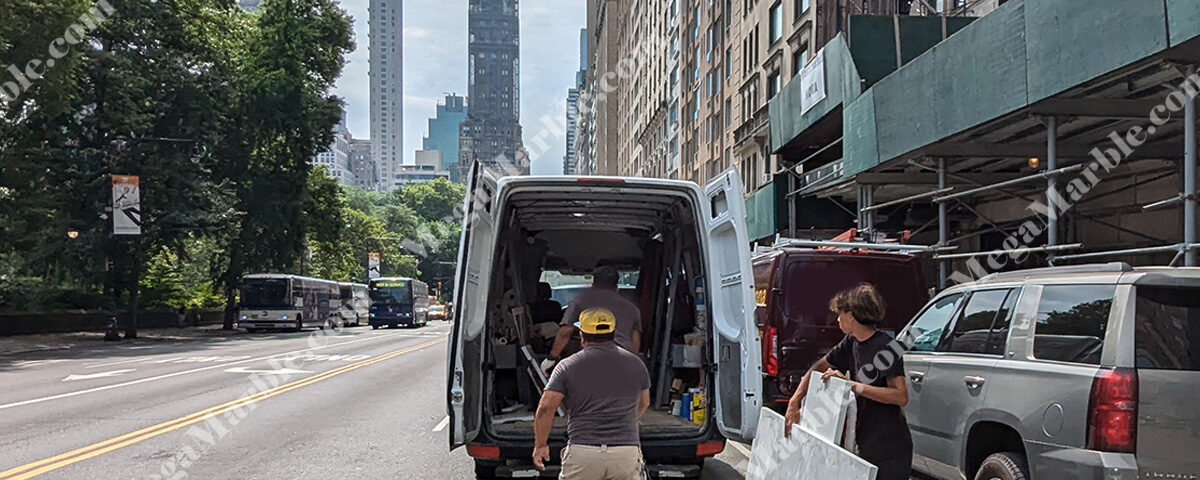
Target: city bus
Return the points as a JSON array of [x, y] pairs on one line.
[[287, 302], [398, 301], [355, 306]]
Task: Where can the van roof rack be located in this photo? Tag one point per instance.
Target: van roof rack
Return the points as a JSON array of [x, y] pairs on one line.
[[896, 247], [1111, 267]]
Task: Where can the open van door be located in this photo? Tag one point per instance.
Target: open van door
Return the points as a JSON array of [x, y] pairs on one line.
[[465, 366], [738, 354]]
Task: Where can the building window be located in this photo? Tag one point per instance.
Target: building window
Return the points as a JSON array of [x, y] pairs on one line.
[[773, 84], [801, 8], [799, 59], [776, 22]]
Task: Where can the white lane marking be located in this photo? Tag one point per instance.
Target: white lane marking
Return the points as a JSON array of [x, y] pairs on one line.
[[71, 378], [175, 374], [282, 371], [106, 364], [442, 424], [30, 363], [737, 446]]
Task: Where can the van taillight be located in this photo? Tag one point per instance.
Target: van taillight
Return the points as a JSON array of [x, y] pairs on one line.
[[483, 451], [770, 341], [1112, 411]]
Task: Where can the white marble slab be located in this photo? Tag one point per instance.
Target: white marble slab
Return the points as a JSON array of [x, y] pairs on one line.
[[803, 456], [824, 410]]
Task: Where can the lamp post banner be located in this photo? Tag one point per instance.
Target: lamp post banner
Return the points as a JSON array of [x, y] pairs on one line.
[[126, 205], [373, 265]]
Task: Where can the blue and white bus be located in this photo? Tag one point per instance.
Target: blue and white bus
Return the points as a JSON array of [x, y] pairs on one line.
[[287, 302], [399, 301]]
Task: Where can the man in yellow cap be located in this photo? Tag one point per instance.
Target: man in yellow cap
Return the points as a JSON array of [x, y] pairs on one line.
[[605, 390]]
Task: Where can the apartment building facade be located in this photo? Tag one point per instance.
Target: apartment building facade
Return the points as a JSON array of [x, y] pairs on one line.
[[648, 90], [363, 165], [679, 88]]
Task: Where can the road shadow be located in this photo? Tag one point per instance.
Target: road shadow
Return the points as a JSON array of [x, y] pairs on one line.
[[19, 350], [719, 469]]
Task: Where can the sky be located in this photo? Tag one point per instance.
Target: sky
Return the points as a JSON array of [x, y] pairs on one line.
[[435, 63]]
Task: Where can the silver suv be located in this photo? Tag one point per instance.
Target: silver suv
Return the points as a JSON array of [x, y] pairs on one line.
[[1088, 371]]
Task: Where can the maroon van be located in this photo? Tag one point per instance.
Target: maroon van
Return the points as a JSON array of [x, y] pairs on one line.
[[793, 286]]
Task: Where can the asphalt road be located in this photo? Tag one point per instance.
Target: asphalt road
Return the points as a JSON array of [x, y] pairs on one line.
[[355, 404]]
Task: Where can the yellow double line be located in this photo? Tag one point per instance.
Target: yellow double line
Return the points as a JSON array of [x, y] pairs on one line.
[[39, 467]]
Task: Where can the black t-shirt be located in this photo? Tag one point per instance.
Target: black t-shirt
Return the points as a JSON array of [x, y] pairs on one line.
[[881, 427]]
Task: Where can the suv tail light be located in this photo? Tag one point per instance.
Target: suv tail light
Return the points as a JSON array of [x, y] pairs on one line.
[[770, 340], [1112, 411]]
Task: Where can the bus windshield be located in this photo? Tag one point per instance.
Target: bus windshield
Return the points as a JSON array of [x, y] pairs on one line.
[[265, 292], [394, 292]]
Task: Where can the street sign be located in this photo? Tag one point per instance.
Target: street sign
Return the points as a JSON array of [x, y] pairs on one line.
[[373, 265], [126, 205]]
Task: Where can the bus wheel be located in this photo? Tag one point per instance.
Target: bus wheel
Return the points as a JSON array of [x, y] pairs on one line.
[[251, 330], [374, 327]]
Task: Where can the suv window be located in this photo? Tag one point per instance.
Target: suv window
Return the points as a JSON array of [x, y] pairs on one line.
[[1167, 329], [926, 331], [982, 327], [1071, 322]]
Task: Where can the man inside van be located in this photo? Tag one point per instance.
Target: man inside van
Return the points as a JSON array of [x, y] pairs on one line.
[[876, 373], [605, 391], [603, 294]]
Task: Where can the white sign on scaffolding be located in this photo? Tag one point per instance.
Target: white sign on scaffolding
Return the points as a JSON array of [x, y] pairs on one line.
[[812, 82], [126, 205]]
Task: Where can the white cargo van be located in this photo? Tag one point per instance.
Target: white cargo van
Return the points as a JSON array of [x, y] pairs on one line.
[[688, 251]]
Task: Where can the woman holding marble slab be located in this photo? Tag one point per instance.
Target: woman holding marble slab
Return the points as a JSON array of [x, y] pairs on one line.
[[874, 364]]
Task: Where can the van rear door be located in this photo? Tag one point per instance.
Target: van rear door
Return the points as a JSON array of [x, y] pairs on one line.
[[738, 388], [465, 365]]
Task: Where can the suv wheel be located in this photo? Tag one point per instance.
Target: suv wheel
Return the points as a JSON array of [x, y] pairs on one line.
[[1003, 466]]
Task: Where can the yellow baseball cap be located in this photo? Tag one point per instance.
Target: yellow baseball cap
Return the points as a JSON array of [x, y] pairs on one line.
[[596, 321]]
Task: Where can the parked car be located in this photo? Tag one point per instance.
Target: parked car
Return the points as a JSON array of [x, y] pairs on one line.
[[700, 347], [793, 287], [437, 312], [1085, 371]]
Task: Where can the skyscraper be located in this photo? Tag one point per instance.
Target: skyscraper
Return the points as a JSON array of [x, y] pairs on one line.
[[387, 89], [337, 158], [573, 105], [492, 131], [443, 134]]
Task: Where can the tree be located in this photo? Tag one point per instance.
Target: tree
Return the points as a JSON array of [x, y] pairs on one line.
[[287, 114], [434, 201]]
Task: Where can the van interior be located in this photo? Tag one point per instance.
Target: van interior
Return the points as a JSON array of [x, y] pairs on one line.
[[648, 234]]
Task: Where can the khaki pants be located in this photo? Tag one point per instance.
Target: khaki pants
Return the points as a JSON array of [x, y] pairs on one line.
[[585, 462]]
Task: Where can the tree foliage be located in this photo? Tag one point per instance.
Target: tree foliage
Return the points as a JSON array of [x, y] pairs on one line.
[[216, 109], [219, 112]]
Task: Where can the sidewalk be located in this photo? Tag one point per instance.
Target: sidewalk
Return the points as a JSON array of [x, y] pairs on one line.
[[57, 341]]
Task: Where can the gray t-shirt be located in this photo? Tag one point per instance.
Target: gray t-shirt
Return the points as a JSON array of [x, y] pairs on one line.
[[601, 386], [629, 318]]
